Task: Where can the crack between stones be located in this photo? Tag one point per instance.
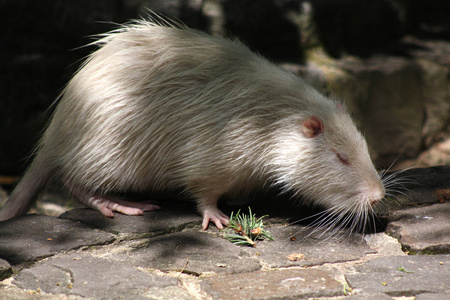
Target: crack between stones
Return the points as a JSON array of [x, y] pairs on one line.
[[68, 271]]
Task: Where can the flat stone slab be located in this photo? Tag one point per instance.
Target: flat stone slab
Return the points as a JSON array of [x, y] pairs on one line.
[[30, 237], [367, 297], [197, 252], [88, 276], [422, 184], [433, 296], [150, 223], [384, 244], [414, 187], [316, 250], [140, 257], [274, 284], [403, 275], [422, 229], [191, 251]]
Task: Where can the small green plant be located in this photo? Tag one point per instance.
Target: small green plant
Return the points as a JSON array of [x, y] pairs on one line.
[[246, 229], [347, 289], [402, 269]]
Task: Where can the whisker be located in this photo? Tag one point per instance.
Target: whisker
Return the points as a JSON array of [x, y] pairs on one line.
[[358, 217]]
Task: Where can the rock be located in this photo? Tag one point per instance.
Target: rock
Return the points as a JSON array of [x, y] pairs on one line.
[[273, 284], [422, 230], [433, 57], [432, 296], [368, 297], [22, 295], [425, 178], [170, 292], [197, 252], [437, 155], [191, 251], [188, 263], [402, 275], [374, 90], [90, 277], [30, 237], [151, 223], [316, 250], [417, 186], [384, 244], [436, 75], [5, 269]]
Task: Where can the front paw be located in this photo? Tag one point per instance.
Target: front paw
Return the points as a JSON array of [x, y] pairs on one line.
[[216, 216]]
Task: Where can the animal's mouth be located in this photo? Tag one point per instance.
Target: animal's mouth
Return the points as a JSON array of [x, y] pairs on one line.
[[376, 197], [374, 203]]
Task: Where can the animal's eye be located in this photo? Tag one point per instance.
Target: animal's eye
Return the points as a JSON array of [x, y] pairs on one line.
[[342, 158]]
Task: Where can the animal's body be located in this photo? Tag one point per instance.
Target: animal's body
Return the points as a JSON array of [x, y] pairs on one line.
[[158, 108]]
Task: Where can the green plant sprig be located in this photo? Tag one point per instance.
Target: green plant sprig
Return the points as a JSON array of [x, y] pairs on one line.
[[246, 229]]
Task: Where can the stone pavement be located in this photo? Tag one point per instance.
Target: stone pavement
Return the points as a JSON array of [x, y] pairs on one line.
[[165, 255]]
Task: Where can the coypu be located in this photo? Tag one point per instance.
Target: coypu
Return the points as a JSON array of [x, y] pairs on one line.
[[157, 108]]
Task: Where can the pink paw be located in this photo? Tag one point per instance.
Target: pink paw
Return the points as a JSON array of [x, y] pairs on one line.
[[107, 207], [216, 216]]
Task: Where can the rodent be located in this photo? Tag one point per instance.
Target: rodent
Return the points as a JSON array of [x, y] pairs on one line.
[[159, 107]]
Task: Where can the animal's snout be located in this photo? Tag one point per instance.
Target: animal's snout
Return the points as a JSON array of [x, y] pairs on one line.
[[376, 194]]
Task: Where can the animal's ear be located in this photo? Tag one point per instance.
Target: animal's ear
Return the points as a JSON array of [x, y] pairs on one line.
[[312, 127]]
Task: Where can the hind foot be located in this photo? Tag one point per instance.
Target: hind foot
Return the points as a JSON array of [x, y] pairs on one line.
[[108, 206]]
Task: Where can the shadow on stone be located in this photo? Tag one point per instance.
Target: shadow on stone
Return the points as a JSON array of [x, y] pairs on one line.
[[151, 223], [31, 237]]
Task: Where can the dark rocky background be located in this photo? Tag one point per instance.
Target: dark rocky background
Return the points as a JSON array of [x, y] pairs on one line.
[[388, 60]]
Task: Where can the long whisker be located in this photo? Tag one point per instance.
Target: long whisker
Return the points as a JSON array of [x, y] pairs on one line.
[[344, 218]]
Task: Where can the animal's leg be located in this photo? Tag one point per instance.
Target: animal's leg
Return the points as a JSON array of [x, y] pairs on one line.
[[107, 205], [207, 206]]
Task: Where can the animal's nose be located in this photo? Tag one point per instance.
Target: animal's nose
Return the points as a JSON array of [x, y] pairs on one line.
[[376, 194]]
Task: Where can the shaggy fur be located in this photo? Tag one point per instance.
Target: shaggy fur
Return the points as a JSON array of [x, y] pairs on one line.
[[160, 107]]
